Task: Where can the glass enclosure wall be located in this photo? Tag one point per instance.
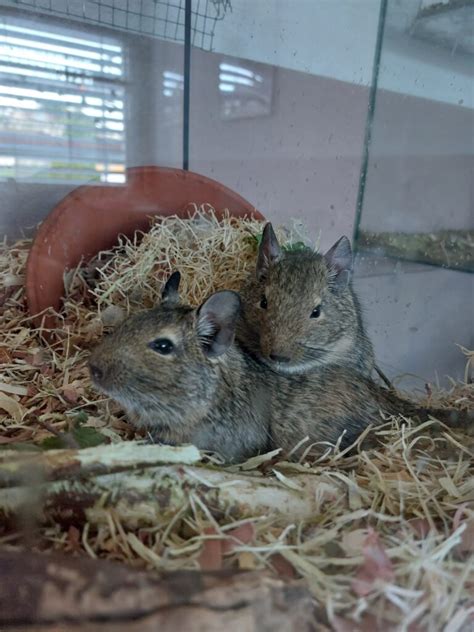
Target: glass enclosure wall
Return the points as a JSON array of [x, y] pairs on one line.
[[278, 109], [283, 112], [287, 110], [415, 233]]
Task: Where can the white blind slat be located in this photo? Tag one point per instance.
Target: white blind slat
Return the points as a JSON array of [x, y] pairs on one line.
[[62, 100]]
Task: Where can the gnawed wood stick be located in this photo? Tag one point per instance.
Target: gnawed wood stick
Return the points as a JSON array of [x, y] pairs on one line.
[[79, 492], [52, 592], [103, 459]]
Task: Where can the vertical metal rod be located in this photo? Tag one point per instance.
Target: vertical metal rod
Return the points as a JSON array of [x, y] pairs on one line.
[[370, 120], [187, 81]]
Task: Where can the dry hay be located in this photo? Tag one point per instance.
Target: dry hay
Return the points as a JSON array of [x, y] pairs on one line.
[[393, 551]]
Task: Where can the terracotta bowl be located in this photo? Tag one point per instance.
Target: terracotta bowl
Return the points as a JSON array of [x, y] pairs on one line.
[[90, 219]]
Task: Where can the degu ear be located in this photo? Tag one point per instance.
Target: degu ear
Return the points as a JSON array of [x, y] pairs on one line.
[[268, 253], [339, 261], [170, 294], [216, 322]]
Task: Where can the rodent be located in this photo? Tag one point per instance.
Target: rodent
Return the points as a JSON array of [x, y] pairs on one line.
[[179, 373], [176, 372], [300, 312]]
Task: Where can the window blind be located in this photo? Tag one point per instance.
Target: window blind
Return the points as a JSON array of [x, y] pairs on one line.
[[62, 102]]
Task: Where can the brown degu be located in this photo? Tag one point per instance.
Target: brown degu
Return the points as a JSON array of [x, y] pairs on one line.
[[300, 313], [178, 373]]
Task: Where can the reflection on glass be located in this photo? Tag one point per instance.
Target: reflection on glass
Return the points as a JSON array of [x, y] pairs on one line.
[[246, 89], [173, 84], [62, 99], [416, 233], [448, 23]]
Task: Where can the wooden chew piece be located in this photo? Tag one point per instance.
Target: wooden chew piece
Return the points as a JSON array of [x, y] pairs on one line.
[[55, 593]]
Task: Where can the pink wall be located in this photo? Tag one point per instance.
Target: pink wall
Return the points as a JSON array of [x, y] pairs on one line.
[[421, 166], [302, 161]]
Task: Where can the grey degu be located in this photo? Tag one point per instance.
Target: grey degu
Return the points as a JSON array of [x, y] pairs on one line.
[[300, 312], [178, 373]]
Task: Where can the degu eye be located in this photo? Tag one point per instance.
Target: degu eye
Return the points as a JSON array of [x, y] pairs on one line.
[[316, 313], [263, 302], [162, 346]]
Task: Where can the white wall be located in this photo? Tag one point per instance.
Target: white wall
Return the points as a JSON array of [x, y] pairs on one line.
[[420, 69], [336, 39], [330, 38]]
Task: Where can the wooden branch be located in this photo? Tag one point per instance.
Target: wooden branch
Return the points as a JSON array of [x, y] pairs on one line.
[[52, 465], [71, 487], [53, 593]]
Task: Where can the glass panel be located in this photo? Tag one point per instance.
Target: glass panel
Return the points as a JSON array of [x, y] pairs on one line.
[[279, 112], [278, 108], [416, 230]]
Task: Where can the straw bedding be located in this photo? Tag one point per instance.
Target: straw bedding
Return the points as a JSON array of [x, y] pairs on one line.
[[390, 543]]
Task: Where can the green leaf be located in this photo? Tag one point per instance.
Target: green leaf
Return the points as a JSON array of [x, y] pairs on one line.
[[88, 437], [53, 443], [298, 245], [84, 437]]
